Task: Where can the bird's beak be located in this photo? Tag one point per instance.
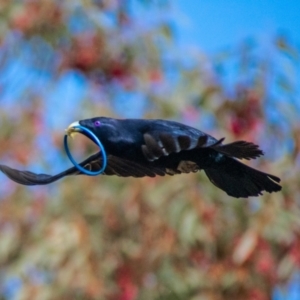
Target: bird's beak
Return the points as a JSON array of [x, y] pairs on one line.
[[72, 129]]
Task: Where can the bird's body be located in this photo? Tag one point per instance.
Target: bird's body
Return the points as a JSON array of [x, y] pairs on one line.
[[138, 148], [160, 142]]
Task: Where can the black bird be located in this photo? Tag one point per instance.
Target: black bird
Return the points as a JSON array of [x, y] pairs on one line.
[[139, 148]]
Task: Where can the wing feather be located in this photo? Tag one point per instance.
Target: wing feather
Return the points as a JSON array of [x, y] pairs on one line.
[[159, 144], [31, 178], [115, 166]]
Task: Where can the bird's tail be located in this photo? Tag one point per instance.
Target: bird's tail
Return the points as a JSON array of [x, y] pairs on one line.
[[239, 180]]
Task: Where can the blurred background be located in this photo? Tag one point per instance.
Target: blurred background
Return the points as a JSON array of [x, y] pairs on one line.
[[228, 68]]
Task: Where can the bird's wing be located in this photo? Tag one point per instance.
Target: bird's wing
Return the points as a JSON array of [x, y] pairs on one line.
[[115, 166], [27, 177], [159, 143], [30, 178], [125, 168]]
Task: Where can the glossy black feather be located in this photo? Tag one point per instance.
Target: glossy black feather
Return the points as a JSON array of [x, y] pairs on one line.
[[139, 148]]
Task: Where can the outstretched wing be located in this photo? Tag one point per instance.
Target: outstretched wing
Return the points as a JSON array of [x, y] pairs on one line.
[[115, 166], [159, 144], [30, 178]]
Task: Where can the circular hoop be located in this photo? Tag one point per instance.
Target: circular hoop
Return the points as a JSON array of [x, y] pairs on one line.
[[97, 141]]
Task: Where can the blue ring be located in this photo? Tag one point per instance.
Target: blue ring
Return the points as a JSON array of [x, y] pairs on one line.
[[97, 141]]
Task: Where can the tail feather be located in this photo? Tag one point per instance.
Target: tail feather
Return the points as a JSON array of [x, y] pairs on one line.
[[240, 149], [239, 180]]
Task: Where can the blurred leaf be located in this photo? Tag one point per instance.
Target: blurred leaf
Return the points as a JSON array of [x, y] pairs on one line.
[[244, 249]]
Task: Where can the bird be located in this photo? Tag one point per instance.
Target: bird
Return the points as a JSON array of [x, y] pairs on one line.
[[151, 147]]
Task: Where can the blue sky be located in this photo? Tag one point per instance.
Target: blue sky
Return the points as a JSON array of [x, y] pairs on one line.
[[215, 24]]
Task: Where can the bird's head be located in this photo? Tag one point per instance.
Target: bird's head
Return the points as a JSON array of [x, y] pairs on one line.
[[102, 127]]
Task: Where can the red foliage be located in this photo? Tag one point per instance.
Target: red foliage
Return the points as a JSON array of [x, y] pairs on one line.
[[295, 251], [246, 115], [257, 294], [155, 76], [37, 15], [85, 52], [125, 281]]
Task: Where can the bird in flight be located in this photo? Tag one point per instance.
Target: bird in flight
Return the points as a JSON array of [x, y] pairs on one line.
[[139, 148]]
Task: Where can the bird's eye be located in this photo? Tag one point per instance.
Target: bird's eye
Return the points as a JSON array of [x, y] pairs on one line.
[[97, 123]]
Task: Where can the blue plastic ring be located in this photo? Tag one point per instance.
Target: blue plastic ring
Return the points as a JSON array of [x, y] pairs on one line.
[[97, 141]]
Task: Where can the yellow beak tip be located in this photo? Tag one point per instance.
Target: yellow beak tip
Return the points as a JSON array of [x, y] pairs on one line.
[[71, 131]]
